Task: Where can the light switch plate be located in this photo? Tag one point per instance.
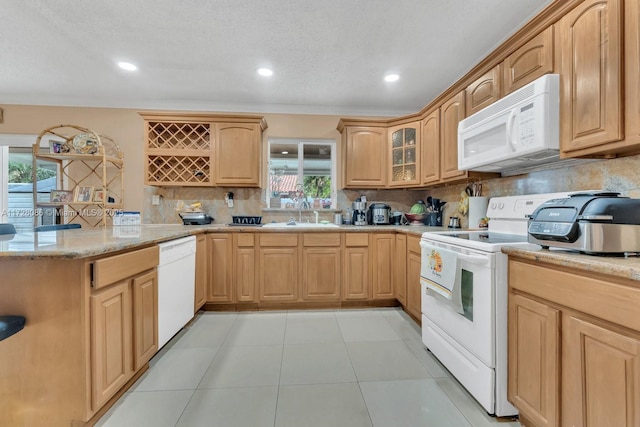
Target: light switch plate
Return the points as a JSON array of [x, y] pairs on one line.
[[155, 199]]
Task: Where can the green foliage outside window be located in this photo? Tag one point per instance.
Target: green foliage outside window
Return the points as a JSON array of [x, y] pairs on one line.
[[317, 186], [22, 173]]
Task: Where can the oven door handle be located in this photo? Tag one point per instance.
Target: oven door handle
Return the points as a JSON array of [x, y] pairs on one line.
[[473, 259]]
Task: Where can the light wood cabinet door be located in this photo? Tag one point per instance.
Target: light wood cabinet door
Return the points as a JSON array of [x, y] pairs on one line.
[[237, 153], [111, 353], [365, 157], [589, 43], [219, 269], [321, 274], [245, 264], [430, 164], [600, 375], [400, 269], [414, 290], [145, 318], [632, 73], [201, 272], [382, 256], [278, 274], [534, 360], [404, 155], [534, 59], [484, 91], [451, 112], [355, 281]]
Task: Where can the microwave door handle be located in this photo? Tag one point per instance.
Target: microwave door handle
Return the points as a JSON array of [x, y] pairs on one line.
[[510, 122]]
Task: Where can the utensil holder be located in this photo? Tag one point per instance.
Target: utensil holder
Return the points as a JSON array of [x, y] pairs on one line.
[[477, 210], [433, 219]]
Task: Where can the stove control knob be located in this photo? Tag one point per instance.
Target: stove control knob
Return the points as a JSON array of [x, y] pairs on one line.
[[493, 205], [500, 205]]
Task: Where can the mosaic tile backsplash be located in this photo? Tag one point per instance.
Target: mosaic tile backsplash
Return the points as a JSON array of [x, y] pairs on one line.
[[620, 175]]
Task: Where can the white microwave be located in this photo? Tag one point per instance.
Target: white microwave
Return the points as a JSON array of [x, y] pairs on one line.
[[518, 131]]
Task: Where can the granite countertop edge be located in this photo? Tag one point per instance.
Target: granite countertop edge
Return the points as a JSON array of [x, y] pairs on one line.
[[90, 242], [616, 266]]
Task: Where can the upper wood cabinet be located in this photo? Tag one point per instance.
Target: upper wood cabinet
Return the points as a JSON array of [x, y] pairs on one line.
[[484, 91], [404, 155], [534, 59], [632, 74], [451, 112], [589, 49], [203, 150], [364, 156], [237, 154], [430, 156]]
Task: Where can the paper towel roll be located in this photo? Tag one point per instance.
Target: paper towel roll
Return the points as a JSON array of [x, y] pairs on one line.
[[477, 210]]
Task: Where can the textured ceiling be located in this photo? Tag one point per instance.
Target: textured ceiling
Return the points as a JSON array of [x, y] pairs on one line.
[[328, 57]]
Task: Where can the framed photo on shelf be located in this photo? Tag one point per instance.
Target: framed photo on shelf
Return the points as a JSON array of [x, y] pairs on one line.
[[55, 147], [83, 194], [61, 196], [99, 196]]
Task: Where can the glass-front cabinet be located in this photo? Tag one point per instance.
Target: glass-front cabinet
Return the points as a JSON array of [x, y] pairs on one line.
[[404, 146]]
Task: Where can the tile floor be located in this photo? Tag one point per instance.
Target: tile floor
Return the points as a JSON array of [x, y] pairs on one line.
[[298, 368]]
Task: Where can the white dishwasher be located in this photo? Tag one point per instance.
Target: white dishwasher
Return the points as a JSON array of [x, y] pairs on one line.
[[176, 286]]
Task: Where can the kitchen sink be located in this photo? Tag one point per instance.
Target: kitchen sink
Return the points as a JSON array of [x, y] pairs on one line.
[[299, 225]]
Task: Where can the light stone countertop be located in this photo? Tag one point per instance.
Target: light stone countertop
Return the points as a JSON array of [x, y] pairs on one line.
[[615, 266], [89, 242]]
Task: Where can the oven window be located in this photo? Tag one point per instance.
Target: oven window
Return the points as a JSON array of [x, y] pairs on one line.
[[466, 288]]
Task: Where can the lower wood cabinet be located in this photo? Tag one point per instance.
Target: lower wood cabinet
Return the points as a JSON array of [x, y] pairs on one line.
[[400, 269], [244, 261], [219, 267], [414, 291], [574, 346], [355, 278], [383, 253], [201, 272], [123, 308], [279, 267], [321, 266]]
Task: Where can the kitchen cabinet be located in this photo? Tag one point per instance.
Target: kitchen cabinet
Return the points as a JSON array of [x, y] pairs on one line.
[[414, 290], [202, 149], [404, 155], [430, 148], [321, 266], [244, 267], [201, 272], [589, 48], [220, 267], [573, 347], [382, 257], [364, 156], [86, 159], [400, 269], [484, 91], [355, 279], [278, 264], [123, 308], [451, 112], [237, 154], [530, 61]]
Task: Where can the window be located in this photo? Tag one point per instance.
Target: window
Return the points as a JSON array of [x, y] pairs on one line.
[[16, 201], [302, 172]]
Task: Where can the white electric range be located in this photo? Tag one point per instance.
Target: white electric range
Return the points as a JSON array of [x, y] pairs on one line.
[[469, 333]]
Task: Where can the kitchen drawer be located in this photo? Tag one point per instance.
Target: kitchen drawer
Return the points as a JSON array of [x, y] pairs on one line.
[[321, 239], [278, 239], [356, 239], [109, 270], [245, 240]]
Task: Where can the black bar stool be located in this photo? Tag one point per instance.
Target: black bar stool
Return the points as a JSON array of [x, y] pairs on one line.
[[54, 227], [7, 228], [9, 325]]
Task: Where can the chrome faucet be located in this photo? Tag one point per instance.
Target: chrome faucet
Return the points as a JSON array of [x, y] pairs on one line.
[[303, 201]]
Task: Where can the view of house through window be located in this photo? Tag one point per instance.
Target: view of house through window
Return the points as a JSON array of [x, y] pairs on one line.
[[302, 172], [20, 209]]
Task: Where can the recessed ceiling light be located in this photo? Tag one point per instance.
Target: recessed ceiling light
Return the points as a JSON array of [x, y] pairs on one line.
[[391, 77], [265, 72], [285, 152], [127, 66]]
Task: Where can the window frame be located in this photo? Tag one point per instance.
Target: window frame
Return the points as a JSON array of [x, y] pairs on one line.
[[301, 142]]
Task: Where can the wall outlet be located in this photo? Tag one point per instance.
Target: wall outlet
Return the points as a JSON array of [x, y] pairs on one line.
[[155, 200]]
